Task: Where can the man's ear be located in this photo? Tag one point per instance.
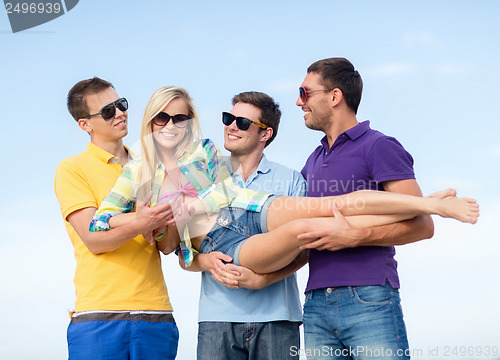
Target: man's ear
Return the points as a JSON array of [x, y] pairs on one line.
[[266, 134], [336, 97], [85, 125]]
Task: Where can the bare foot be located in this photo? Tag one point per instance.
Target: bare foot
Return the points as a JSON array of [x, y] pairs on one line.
[[463, 209], [444, 194]]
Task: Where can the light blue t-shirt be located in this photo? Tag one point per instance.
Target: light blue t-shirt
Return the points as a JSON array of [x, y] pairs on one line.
[[278, 301]]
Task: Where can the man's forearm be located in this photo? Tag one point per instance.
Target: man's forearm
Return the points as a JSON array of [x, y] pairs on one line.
[[102, 241], [106, 241], [404, 232]]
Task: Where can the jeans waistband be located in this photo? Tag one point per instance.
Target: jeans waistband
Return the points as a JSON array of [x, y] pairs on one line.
[[147, 316], [326, 291], [330, 290]]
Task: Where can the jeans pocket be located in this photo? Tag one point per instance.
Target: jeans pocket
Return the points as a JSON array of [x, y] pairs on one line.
[[309, 295], [373, 295], [209, 243], [239, 221]]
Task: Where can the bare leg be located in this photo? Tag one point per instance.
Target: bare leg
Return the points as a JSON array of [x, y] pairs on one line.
[[268, 252], [365, 202], [272, 251]]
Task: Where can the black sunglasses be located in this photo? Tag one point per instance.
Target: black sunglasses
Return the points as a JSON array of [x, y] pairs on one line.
[[241, 122], [179, 120], [304, 94], [109, 111]]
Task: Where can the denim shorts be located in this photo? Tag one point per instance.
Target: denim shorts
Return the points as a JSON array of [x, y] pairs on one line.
[[232, 227]]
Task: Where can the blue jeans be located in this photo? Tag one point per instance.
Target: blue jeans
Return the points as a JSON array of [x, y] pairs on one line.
[[248, 341], [124, 335], [364, 322]]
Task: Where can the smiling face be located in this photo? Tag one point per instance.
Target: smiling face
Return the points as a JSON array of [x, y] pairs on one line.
[[317, 108], [169, 136], [100, 129], [243, 142]]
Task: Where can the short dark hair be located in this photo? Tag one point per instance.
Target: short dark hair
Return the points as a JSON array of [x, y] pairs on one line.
[[76, 101], [340, 73], [270, 110]]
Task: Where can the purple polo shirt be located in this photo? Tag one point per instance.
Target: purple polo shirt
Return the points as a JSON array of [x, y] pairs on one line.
[[360, 158]]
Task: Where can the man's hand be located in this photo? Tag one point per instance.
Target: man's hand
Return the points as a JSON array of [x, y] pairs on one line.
[[338, 236], [234, 276], [152, 218], [228, 275]]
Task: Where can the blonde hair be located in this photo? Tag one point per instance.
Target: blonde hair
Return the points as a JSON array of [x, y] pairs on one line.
[[149, 154]]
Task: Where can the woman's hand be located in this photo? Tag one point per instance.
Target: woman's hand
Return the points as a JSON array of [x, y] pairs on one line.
[[182, 214], [208, 262], [152, 217]]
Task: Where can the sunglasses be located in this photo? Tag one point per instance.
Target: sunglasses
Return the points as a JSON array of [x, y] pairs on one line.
[[241, 122], [179, 120], [109, 111], [304, 94]]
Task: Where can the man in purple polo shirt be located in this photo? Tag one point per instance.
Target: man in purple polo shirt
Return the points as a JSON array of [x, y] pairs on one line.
[[352, 308]]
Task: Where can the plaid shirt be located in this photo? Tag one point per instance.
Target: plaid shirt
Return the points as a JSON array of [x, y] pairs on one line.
[[204, 167]]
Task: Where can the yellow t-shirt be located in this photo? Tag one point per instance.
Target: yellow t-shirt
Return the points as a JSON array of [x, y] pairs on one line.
[[129, 278]]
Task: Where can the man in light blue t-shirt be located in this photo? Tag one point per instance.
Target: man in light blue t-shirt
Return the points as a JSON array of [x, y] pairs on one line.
[[259, 317]]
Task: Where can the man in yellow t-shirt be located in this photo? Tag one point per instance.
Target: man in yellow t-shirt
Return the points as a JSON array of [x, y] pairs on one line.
[[122, 308]]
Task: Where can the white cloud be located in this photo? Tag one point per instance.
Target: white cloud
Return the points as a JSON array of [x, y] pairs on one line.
[[463, 186], [495, 150], [453, 69], [284, 86], [391, 69], [422, 39]]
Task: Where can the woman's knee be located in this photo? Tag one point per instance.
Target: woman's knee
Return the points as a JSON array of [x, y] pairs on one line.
[[299, 226]]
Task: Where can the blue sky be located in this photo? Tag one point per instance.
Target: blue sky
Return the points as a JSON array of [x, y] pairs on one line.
[[431, 78]]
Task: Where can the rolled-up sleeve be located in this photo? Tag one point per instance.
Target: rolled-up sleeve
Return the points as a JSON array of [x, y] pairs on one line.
[[121, 199]]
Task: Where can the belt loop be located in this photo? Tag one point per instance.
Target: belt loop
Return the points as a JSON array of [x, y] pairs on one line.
[[228, 216], [351, 291]]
